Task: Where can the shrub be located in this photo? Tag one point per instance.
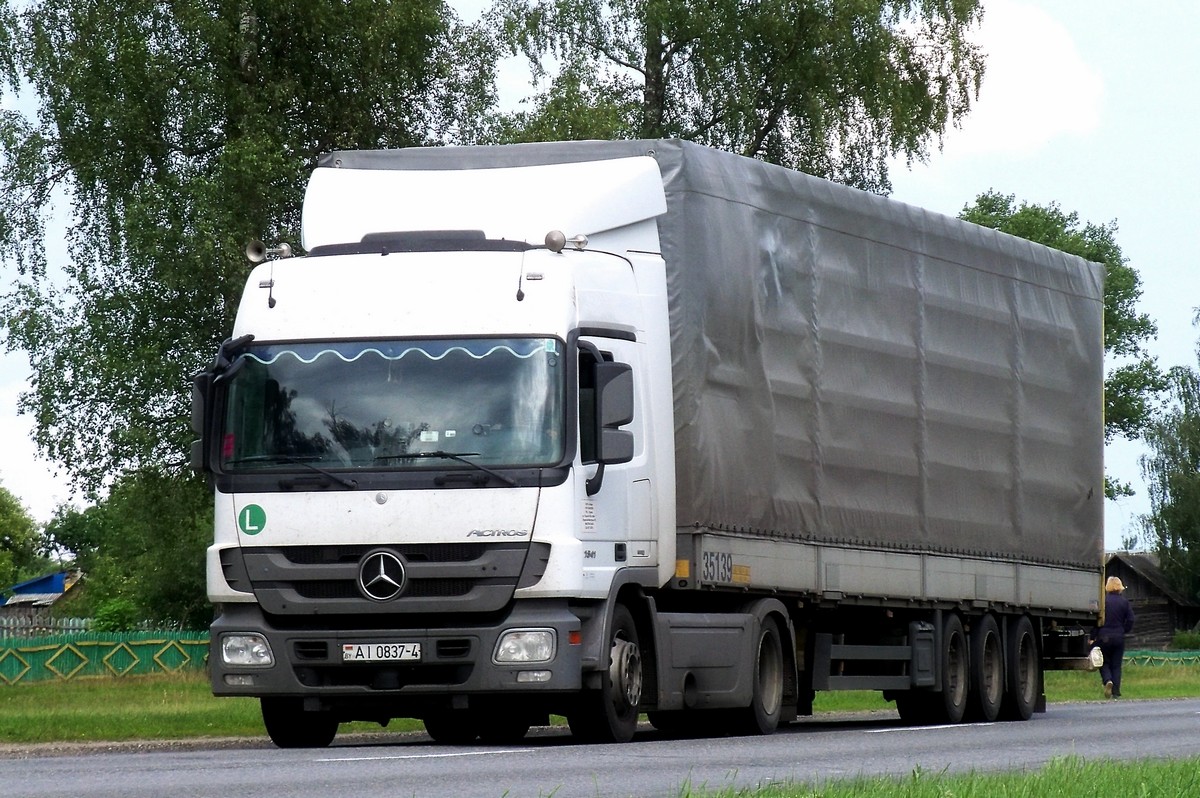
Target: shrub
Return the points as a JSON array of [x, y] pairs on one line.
[[115, 615], [1186, 640]]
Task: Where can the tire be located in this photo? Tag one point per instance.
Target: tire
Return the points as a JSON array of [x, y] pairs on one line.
[[954, 662], [673, 723], [987, 671], [1024, 667], [692, 724], [610, 714], [914, 707], [503, 731], [452, 727], [289, 726], [762, 716]]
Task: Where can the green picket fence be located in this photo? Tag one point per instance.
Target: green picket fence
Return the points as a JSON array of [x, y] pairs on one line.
[[71, 656], [1163, 657]]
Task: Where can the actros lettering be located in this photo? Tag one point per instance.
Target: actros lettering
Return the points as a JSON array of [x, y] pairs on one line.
[[498, 533]]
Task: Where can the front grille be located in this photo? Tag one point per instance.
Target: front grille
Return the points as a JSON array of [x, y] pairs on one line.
[[412, 552], [423, 589], [441, 578]]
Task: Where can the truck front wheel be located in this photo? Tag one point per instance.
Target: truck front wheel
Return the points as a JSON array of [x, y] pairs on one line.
[[289, 726], [452, 727], [610, 714]]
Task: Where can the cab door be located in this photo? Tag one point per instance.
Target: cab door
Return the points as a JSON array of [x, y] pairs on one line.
[[617, 500]]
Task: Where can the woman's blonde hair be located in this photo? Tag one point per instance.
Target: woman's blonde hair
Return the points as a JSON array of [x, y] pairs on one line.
[[1114, 585]]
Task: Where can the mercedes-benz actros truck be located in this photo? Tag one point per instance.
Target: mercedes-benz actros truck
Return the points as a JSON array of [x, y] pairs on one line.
[[613, 430]]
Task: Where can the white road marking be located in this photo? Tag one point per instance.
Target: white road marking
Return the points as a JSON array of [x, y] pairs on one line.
[[425, 756], [932, 728]]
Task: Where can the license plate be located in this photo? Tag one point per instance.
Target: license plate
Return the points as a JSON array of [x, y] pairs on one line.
[[381, 652]]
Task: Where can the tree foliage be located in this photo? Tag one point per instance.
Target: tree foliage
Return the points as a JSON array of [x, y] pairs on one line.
[[1133, 381], [141, 550], [22, 553], [1172, 473], [834, 89], [174, 133]]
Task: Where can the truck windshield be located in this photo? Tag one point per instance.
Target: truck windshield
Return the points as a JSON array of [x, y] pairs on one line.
[[398, 405]]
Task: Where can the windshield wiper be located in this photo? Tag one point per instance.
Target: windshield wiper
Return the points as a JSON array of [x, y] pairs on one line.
[[279, 459], [459, 456]]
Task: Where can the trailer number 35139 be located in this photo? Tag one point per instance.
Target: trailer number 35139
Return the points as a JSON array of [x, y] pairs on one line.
[[717, 567]]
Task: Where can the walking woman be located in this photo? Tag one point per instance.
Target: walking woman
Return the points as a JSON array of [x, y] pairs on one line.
[[1118, 622]]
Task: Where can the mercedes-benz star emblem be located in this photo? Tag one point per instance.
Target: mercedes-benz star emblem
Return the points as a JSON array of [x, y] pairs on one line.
[[381, 576]]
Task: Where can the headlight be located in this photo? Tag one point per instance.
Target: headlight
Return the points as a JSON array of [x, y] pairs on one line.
[[246, 649], [525, 645]]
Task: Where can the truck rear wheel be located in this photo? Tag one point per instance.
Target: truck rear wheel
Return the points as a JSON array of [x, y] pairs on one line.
[[762, 716], [289, 726], [1024, 671], [610, 714], [987, 670]]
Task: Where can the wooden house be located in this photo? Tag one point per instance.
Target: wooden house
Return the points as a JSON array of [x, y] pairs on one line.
[[1160, 610]]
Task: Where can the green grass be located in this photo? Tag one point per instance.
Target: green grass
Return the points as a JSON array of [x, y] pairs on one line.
[[129, 708], [1063, 778], [181, 706]]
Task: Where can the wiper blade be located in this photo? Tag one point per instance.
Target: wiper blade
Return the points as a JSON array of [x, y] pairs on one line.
[[460, 457], [281, 459]]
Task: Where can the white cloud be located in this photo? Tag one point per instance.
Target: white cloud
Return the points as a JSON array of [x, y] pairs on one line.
[[1036, 87]]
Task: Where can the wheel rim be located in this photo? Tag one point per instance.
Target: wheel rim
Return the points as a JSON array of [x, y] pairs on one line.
[[992, 670], [956, 669], [1027, 668], [770, 673], [625, 672]]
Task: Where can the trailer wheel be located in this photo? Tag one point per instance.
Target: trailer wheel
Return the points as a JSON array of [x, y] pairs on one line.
[[987, 670], [610, 714], [452, 727], [953, 702], [1024, 671], [762, 716], [289, 726]]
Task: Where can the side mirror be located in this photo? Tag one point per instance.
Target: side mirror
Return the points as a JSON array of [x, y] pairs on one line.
[[201, 394], [614, 408]]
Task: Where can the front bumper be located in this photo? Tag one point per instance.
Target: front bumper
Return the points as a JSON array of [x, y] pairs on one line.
[[455, 661]]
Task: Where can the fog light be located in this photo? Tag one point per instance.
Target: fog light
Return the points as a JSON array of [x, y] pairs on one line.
[[246, 649], [239, 680], [533, 677], [525, 645]]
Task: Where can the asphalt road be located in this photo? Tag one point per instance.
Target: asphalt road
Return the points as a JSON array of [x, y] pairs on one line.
[[549, 763]]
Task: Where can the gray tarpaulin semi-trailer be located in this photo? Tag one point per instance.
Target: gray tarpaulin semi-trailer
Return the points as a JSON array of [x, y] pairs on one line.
[[609, 428]]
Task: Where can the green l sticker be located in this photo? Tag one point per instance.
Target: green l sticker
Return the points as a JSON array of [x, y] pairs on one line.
[[252, 519]]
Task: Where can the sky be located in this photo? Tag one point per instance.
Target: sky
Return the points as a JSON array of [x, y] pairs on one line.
[[1086, 103]]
